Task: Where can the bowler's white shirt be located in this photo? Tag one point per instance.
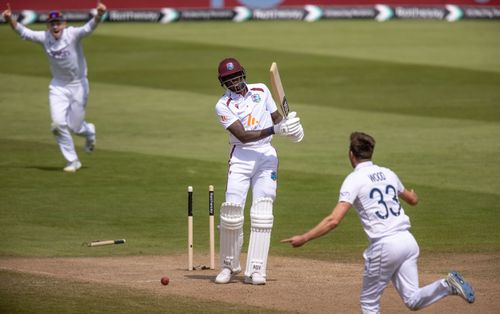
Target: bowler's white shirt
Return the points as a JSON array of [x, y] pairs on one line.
[[67, 62], [373, 191], [253, 110]]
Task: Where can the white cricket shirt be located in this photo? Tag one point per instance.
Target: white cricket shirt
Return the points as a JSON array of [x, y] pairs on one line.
[[253, 110], [373, 191], [67, 62]]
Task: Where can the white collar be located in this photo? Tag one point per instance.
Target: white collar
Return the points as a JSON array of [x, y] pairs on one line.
[[363, 165]]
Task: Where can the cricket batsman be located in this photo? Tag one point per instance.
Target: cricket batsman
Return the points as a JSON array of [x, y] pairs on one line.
[[249, 113]]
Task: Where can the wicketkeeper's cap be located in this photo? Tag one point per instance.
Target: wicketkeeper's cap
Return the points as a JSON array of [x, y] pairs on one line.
[[55, 16]]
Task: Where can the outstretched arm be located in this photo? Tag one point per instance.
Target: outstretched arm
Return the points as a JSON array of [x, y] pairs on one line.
[[23, 31], [101, 10], [329, 223], [91, 25], [7, 15]]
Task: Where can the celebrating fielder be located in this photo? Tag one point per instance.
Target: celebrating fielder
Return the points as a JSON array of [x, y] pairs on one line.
[[250, 115], [69, 87], [393, 252]]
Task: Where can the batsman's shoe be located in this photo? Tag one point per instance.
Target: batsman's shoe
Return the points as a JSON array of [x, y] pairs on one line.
[[226, 275], [90, 141], [256, 279], [73, 166], [461, 287]]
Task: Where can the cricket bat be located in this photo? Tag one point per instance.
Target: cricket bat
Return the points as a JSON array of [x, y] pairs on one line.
[[277, 89], [106, 242]]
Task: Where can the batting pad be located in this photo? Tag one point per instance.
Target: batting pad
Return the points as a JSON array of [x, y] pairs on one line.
[[261, 218], [231, 230]]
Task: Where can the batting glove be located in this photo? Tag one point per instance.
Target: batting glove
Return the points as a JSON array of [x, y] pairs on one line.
[[297, 136], [287, 126]]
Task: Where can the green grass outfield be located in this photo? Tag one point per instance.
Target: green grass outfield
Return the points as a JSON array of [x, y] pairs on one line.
[[429, 92]]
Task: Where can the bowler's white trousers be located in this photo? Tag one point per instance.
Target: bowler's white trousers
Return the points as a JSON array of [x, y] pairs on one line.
[[254, 166], [67, 109], [394, 258]]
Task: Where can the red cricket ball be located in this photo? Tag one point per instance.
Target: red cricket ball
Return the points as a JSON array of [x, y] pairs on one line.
[[165, 280]]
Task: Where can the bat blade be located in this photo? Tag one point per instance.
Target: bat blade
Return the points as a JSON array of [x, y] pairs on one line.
[[277, 89], [106, 242]]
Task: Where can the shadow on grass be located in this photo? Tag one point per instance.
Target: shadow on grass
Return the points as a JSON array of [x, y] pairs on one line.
[[45, 168]]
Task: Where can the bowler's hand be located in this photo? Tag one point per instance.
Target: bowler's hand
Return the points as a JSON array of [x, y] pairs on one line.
[[295, 241]]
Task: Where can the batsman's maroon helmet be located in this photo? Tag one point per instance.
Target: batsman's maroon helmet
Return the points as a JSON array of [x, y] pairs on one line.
[[229, 67]]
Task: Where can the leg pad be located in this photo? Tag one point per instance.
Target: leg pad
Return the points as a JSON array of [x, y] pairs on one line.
[[231, 230], [261, 216]]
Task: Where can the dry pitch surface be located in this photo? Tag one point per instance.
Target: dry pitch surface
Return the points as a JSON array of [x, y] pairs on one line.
[[294, 285]]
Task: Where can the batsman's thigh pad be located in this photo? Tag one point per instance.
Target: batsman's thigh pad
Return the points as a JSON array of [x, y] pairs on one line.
[[261, 218], [231, 230]]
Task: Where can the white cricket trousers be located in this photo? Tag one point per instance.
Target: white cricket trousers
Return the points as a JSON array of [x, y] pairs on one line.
[[67, 109], [251, 166], [394, 258]]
